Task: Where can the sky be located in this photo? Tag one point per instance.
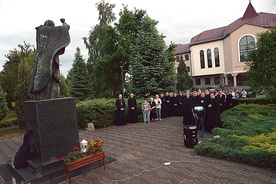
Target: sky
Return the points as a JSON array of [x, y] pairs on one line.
[[179, 20]]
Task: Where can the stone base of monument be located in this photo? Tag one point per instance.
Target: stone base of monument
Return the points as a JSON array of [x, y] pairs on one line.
[[54, 175], [53, 123]]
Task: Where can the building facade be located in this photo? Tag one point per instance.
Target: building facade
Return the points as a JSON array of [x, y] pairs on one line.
[[218, 56]]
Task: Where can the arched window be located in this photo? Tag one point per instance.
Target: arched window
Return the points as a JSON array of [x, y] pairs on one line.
[[202, 62], [209, 58], [216, 52], [246, 44]]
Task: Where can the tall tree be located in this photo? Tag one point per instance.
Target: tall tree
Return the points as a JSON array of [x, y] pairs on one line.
[[64, 88], [16, 77], [80, 77], [184, 81], [128, 28], [103, 63], [151, 72], [262, 63], [3, 104]]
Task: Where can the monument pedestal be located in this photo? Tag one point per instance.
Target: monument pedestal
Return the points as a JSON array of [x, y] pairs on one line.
[[53, 123]]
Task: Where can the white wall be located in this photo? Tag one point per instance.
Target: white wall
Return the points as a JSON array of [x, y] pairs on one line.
[[195, 59]]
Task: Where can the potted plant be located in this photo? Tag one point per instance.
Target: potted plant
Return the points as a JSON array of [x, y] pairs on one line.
[[89, 153]]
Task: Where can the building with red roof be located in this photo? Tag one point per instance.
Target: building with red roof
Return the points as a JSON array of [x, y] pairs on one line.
[[217, 56]]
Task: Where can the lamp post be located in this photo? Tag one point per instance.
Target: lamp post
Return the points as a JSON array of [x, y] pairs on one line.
[[122, 74]]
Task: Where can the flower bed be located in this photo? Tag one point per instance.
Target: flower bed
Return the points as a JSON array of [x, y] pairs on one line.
[[90, 153]]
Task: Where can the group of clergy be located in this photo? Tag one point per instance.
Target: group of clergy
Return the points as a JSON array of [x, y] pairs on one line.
[[173, 104]]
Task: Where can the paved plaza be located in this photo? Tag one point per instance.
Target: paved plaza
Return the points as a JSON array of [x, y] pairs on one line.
[[141, 150]]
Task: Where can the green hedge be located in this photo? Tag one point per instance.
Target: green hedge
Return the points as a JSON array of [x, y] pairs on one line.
[[100, 112], [248, 136], [9, 121], [263, 101]]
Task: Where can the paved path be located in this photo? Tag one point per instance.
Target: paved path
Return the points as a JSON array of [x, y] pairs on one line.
[[141, 149]]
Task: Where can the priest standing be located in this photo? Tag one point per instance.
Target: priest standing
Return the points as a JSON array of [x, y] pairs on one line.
[[132, 109]]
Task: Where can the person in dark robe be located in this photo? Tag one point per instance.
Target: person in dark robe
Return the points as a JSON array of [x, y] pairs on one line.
[[202, 100], [132, 109], [168, 104], [207, 113], [120, 119], [180, 102], [152, 110], [214, 111], [188, 116], [164, 113], [228, 103], [195, 99], [222, 100], [174, 105]]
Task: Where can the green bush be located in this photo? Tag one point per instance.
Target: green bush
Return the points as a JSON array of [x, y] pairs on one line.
[[9, 120], [248, 136], [100, 112], [262, 101]]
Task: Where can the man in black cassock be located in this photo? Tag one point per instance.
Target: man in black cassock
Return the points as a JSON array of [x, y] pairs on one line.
[[214, 113], [120, 119], [188, 117], [168, 104], [132, 109], [222, 100], [174, 105], [164, 113], [180, 102]]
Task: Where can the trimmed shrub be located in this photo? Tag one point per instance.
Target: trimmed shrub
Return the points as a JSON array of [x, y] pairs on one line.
[[9, 121], [248, 136], [101, 112], [262, 101]]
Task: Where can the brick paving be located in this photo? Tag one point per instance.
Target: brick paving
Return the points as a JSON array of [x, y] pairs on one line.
[[142, 149]]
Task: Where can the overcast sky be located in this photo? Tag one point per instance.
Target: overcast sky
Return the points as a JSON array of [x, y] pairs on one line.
[[179, 20]]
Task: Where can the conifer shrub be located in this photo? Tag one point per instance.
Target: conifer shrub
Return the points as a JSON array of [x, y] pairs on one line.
[[248, 136]]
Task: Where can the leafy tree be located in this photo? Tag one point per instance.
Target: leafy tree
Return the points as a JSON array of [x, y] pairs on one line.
[[16, 77], [184, 81], [80, 77], [151, 72], [64, 88], [262, 63], [103, 63], [3, 104], [128, 28]]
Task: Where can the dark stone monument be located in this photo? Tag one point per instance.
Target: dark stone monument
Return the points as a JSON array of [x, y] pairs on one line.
[[54, 125], [51, 119]]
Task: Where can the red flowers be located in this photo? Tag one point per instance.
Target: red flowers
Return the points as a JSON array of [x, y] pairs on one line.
[[93, 147], [76, 148]]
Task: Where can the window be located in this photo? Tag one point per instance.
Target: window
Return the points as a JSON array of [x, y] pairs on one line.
[[197, 81], [209, 58], [217, 80], [216, 52], [186, 57], [178, 58], [202, 62], [246, 44], [188, 69], [207, 81]]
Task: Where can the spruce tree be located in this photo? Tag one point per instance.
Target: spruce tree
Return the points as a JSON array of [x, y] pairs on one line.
[[80, 79], [184, 81], [3, 104], [150, 71]]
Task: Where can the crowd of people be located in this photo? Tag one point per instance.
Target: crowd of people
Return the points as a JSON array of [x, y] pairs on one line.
[[214, 102]]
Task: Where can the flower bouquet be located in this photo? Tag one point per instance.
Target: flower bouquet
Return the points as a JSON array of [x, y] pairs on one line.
[[89, 153], [87, 148]]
